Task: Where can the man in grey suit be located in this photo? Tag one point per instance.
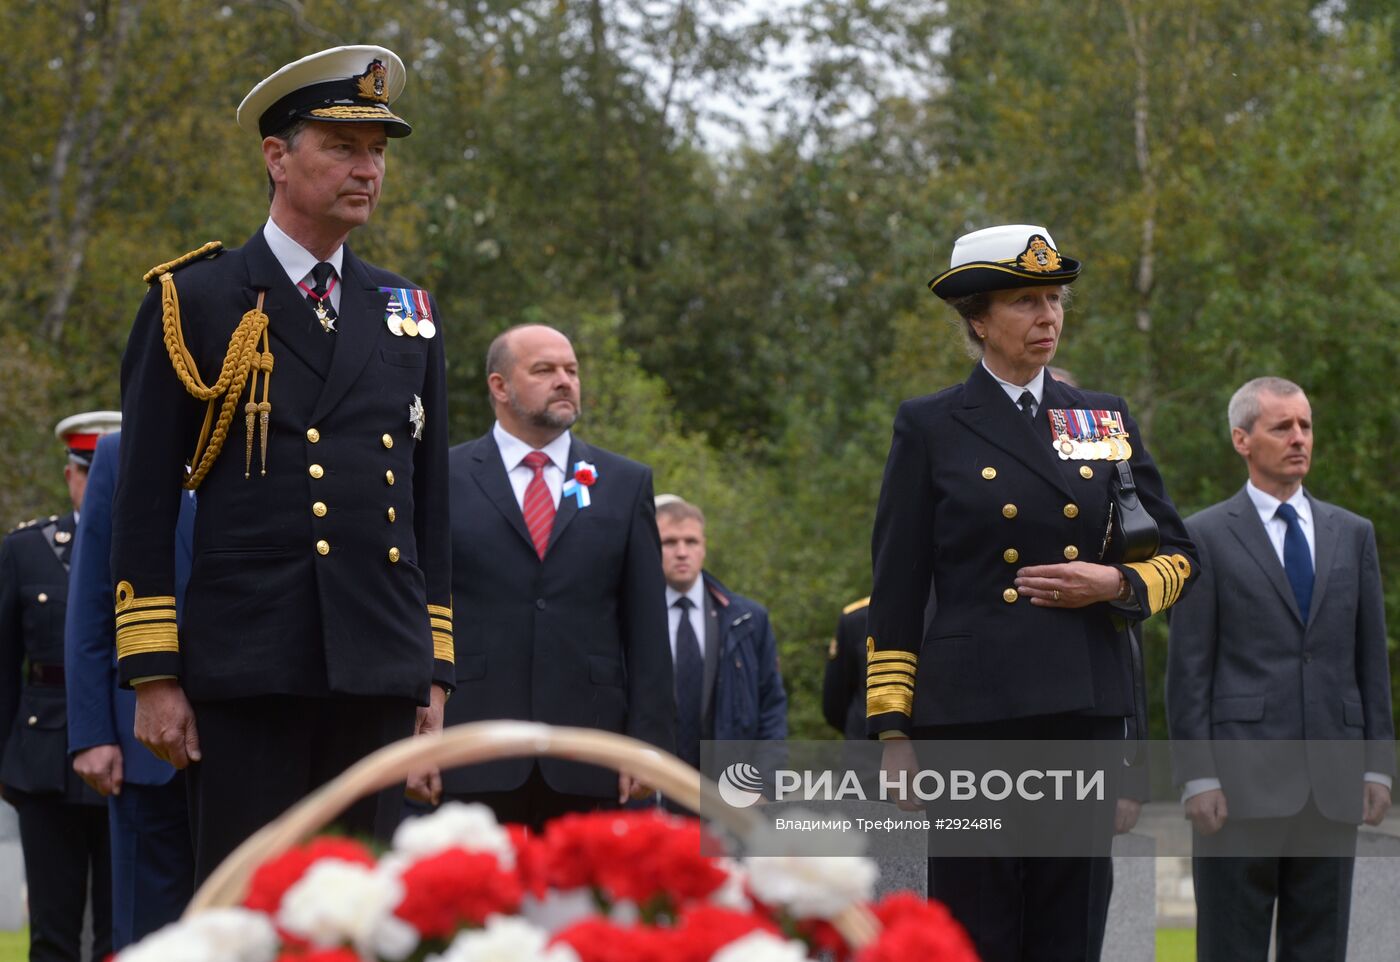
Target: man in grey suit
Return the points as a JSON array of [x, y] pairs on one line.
[[1282, 639]]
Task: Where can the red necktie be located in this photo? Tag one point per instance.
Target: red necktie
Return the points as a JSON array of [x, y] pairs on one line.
[[539, 505]]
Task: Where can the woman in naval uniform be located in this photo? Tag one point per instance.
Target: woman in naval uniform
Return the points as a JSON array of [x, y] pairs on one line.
[[996, 497]]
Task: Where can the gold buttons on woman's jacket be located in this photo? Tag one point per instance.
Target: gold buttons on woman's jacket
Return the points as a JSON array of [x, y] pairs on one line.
[[323, 547], [387, 441], [1011, 556], [389, 477], [989, 473], [391, 514], [1008, 511], [1071, 511], [319, 509], [1085, 471], [1071, 552], [316, 471], [394, 556], [1010, 595], [313, 435]]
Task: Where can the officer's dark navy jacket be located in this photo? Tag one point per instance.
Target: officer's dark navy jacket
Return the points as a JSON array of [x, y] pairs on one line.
[[33, 721], [973, 491], [322, 576]]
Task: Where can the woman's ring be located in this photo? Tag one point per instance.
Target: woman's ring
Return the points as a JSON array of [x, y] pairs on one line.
[[1055, 593]]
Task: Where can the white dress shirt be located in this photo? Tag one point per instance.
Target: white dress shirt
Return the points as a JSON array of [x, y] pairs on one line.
[[1014, 391], [513, 451], [696, 594], [297, 261], [1276, 528]]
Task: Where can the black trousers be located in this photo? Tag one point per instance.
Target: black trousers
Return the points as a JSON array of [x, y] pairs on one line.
[[67, 847], [1033, 909], [534, 802], [262, 755], [1235, 894]]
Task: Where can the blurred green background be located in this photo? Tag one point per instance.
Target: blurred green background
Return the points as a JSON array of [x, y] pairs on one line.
[[748, 296]]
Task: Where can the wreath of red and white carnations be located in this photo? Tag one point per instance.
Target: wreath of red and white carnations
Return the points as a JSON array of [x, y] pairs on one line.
[[456, 886]]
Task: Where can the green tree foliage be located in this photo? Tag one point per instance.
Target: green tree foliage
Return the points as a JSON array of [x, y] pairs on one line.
[[748, 318]]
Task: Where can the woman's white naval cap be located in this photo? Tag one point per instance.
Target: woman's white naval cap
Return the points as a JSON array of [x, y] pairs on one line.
[[341, 85], [1002, 257]]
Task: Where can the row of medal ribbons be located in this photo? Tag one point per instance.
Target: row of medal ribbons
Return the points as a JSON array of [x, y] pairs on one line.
[[408, 313], [1083, 435]]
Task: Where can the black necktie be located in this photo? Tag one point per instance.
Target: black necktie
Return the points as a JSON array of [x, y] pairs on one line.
[[1297, 561], [690, 682], [319, 295], [1027, 403]]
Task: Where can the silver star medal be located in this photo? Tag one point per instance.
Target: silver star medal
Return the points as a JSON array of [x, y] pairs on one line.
[[417, 417]]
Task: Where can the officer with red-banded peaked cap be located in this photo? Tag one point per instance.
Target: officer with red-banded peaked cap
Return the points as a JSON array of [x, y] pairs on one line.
[[62, 823], [317, 624]]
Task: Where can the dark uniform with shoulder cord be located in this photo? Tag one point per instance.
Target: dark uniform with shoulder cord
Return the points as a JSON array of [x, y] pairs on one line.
[[318, 610], [973, 491], [62, 822]]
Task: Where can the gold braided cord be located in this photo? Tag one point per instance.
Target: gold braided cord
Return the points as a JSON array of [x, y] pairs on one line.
[[241, 358], [181, 261]]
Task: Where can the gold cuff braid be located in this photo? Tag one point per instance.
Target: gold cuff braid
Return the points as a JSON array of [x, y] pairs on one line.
[[1165, 576]]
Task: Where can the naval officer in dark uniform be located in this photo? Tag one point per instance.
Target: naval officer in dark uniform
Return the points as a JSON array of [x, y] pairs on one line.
[[301, 391], [62, 822], [1023, 645]]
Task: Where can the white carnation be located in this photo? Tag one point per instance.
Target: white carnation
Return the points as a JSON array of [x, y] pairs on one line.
[[505, 939], [731, 895], [471, 826], [337, 902], [761, 947], [812, 885], [219, 935]]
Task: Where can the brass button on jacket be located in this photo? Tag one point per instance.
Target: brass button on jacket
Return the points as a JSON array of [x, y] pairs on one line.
[[389, 477], [1010, 595], [319, 509], [43, 597], [1085, 471], [393, 555], [1008, 511], [33, 720], [316, 471], [989, 473], [1071, 511], [313, 435], [391, 514], [1011, 556], [323, 547], [387, 441], [1071, 552]]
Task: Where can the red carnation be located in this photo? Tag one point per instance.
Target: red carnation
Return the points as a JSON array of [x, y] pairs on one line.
[[272, 878], [455, 887], [705, 929], [822, 938], [600, 940], [639, 856], [585, 477], [917, 930]]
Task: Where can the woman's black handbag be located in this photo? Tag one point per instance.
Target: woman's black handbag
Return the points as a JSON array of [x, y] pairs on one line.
[[1132, 527]]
